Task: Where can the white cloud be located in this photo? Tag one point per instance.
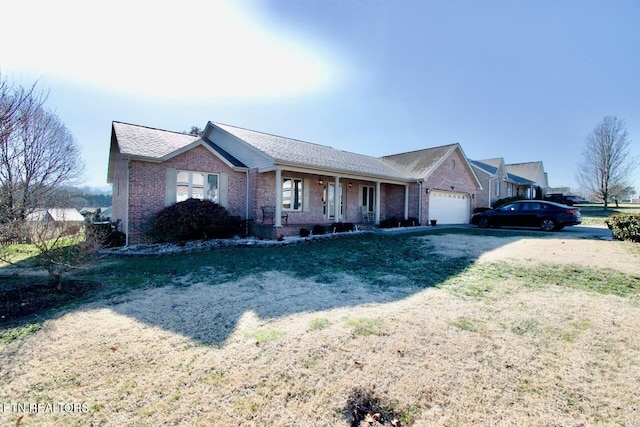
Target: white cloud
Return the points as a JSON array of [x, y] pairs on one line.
[[186, 49]]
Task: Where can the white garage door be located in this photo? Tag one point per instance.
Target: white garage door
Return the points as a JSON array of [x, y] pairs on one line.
[[448, 207]]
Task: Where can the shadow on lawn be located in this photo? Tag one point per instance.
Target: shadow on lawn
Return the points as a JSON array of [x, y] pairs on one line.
[[204, 295]]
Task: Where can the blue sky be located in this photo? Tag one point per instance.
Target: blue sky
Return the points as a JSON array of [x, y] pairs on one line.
[[526, 81]]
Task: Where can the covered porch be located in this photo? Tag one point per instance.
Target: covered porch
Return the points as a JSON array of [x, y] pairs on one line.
[[304, 197]]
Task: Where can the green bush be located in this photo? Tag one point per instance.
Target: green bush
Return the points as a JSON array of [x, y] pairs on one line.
[[304, 232], [194, 219], [625, 226]]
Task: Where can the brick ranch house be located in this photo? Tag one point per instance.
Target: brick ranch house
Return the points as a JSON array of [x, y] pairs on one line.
[[498, 183], [245, 170]]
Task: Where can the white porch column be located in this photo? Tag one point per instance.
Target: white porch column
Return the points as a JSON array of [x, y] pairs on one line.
[[406, 202], [337, 200], [378, 202], [277, 221]]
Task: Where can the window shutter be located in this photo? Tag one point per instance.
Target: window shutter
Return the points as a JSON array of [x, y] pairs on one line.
[[306, 187], [224, 190], [170, 187]]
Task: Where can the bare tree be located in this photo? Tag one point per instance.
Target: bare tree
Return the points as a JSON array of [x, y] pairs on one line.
[[196, 131], [606, 159], [38, 154], [59, 244]]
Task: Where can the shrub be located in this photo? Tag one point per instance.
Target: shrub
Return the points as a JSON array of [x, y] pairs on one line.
[[341, 227], [625, 226], [194, 219], [410, 222], [319, 229], [390, 222], [304, 232], [104, 233]]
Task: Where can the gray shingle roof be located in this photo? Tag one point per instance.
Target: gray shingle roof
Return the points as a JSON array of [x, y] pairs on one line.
[[420, 163], [484, 166], [296, 152], [151, 143], [529, 170], [142, 141]]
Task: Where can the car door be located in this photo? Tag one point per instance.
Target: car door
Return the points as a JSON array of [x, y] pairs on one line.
[[506, 215], [530, 213]]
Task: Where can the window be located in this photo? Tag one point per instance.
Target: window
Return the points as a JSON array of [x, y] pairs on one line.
[[292, 194], [368, 198], [197, 185], [512, 207], [497, 187]]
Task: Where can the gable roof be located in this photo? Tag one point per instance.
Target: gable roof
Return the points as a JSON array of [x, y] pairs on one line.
[[56, 214], [151, 144], [529, 170], [422, 163], [485, 167], [244, 148], [288, 151], [519, 180], [490, 166]]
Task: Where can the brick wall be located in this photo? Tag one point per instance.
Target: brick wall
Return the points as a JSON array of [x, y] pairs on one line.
[[147, 190], [452, 172]]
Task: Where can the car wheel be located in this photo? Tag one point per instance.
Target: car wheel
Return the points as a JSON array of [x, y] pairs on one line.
[[484, 222], [548, 224]]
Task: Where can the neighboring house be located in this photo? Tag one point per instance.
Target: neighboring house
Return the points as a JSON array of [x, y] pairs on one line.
[[533, 171], [53, 222], [498, 183], [306, 183], [57, 215]]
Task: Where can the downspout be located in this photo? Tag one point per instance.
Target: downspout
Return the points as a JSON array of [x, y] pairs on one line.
[[246, 196], [419, 201], [126, 213], [278, 219], [490, 192]]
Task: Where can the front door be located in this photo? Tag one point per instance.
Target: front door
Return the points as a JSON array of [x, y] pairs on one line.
[[330, 198]]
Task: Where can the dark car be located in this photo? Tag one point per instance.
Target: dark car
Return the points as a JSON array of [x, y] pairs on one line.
[[545, 215], [568, 200]]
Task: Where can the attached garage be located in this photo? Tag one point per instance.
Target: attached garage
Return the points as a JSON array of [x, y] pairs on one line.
[[448, 207]]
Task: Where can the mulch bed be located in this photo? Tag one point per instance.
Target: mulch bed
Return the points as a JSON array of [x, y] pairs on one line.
[[31, 297]]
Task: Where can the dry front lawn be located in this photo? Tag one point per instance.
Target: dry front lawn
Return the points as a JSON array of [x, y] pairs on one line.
[[506, 338]]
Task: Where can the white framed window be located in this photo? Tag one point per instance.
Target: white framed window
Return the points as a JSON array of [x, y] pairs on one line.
[[368, 198], [292, 194], [197, 185], [497, 193]]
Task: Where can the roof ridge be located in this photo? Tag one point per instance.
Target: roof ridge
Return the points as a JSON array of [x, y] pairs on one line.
[[523, 163], [296, 140], [421, 149], [154, 128]]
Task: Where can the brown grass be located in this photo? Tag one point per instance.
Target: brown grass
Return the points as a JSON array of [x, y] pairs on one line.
[[197, 354]]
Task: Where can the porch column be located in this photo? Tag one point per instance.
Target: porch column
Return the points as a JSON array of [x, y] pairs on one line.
[[337, 199], [277, 221], [378, 202], [406, 202]]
